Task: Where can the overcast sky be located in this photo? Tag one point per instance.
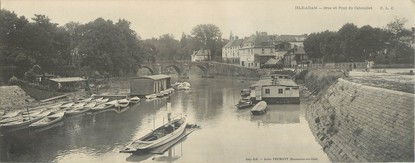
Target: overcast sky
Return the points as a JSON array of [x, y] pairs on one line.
[[152, 18]]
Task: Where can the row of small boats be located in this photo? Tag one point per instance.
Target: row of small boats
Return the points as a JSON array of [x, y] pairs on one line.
[[162, 93], [49, 114]]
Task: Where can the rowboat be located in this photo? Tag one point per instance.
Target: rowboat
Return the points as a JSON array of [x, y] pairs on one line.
[[104, 106], [244, 103], [122, 103], [259, 108], [135, 99], [160, 95], [48, 120], [11, 119], [77, 109], [11, 114], [25, 120], [151, 96], [66, 105], [159, 136]]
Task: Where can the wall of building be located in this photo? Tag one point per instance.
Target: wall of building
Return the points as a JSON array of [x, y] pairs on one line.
[[353, 122], [285, 93]]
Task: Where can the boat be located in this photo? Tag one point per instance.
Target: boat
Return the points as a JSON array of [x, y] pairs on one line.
[[122, 103], [183, 87], [151, 96], [159, 136], [77, 109], [244, 103], [259, 108], [104, 106], [11, 114], [245, 92], [165, 92], [25, 120], [160, 95], [48, 120], [67, 105], [135, 99]]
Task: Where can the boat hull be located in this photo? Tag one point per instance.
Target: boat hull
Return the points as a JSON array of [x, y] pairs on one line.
[[143, 145], [49, 120]]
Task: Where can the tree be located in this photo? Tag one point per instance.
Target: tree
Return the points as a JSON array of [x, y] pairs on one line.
[[208, 36]]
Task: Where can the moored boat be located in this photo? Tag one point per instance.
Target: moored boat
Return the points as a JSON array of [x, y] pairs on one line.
[[67, 105], [122, 103], [48, 120], [104, 106], [135, 99], [151, 96], [159, 136], [11, 114], [25, 120], [259, 108], [244, 103], [77, 109]]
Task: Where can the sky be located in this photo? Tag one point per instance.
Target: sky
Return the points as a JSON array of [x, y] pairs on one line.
[[153, 18]]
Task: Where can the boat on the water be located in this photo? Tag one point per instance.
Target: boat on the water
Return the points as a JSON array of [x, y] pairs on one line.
[[244, 103], [135, 99], [67, 105], [48, 120], [77, 109], [122, 103], [259, 108], [151, 96], [159, 136], [11, 114], [104, 106], [25, 120]]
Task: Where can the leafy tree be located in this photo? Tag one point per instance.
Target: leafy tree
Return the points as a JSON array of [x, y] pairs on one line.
[[209, 36]]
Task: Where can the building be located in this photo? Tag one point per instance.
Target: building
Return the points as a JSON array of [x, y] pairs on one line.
[[146, 85], [275, 90], [230, 52], [201, 55], [256, 50], [68, 84]]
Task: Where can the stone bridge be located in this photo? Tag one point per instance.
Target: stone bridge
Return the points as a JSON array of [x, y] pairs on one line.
[[209, 68], [181, 67]]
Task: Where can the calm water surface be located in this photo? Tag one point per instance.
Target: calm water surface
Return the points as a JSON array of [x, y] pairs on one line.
[[227, 134]]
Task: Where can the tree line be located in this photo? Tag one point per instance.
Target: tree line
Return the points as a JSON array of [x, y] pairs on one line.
[[99, 47], [352, 44]]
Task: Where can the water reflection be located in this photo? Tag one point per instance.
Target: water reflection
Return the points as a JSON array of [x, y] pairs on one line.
[[279, 114]]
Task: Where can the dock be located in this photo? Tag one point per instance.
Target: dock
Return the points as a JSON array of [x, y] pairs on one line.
[[165, 147]]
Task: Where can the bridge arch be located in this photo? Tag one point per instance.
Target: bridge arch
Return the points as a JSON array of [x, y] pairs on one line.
[[175, 67], [148, 68]]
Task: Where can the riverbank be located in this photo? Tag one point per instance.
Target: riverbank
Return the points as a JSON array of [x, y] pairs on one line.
[[356, 122]]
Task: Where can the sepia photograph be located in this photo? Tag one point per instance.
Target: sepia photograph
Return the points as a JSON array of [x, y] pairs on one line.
[[207, 81]]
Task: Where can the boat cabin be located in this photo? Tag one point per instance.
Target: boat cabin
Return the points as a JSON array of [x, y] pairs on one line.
[[275, 91], [146, 85]]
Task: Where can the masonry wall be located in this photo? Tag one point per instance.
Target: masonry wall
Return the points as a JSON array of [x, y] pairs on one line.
[[222, 69], [353, 122]]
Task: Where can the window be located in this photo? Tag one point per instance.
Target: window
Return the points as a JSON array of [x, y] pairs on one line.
[[287, 89], [263, 50], [267, 91], [280, 91]]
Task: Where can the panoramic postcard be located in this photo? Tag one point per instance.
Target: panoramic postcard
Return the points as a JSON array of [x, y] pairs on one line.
[[207, 81]]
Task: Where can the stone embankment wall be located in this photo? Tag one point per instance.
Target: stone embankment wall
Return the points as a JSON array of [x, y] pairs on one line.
[[353, 122], [13, 97]]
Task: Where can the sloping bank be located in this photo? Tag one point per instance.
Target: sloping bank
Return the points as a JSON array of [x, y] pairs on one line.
[[353, 122]]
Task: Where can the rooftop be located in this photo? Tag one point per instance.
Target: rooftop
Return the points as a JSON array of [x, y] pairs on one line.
[[290, 38], [267, 82], [64, 80]]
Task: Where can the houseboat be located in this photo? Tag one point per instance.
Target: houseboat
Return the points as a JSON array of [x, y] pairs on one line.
[[275, 90]]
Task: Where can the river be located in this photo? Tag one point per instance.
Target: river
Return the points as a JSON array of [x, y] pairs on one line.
[[226, 134]]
